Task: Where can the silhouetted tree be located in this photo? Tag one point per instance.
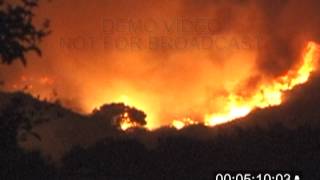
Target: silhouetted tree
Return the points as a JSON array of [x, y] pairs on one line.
[[18, 36], [114, 112], [18, 33], [16, 120]]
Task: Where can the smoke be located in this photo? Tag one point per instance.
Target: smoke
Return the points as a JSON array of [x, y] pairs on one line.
[[171, 59], [65, 130]]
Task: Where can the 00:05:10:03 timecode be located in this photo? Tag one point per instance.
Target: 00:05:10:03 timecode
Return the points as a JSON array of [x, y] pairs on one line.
[[248, 176]]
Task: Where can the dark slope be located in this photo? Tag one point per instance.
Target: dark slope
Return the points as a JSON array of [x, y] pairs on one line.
[[286, 137]]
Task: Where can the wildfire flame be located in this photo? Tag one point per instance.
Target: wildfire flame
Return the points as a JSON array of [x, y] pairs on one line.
[[179, 124], [41, 87], [268, 94], [126, 123]]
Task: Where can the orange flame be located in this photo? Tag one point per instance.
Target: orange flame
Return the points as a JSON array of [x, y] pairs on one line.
[[179, 124], [126, 123], [268, 94], [237, 106]]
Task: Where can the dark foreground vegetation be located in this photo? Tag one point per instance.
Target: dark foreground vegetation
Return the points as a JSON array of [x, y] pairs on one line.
[[176, 155], [283, 138]]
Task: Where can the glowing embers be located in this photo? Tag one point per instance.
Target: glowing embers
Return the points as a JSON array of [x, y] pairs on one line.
[[28, 82], [179, 124]]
